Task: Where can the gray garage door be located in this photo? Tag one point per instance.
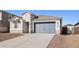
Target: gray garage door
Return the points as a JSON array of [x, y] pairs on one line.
[[45, 27]]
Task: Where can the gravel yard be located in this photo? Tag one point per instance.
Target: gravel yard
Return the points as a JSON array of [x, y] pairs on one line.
[[65, 41], [7, 36]]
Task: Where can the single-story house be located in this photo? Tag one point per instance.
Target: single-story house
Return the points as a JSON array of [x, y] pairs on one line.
[[30, 23], [76, 28], [68, 29]]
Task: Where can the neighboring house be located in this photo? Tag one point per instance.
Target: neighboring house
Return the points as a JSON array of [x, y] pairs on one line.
[[30, 23], [76, 28], [68, 29], [4, 24], [77, 24]]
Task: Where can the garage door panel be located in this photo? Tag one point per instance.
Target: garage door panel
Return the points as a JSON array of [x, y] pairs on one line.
[[45, 27]]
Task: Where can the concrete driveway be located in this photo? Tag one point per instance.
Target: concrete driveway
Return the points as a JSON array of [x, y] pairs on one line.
[[38, 40]]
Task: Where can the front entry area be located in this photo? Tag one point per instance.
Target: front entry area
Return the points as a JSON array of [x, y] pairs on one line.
[[44, 27], [26, 27]]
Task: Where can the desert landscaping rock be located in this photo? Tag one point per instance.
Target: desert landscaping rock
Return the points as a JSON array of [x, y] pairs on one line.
[[65, 41], [8, 36]]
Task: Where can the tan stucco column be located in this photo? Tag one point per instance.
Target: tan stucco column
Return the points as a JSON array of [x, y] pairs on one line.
[[58, 27], [30, 26]]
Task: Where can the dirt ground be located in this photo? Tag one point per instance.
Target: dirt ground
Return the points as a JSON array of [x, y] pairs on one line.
[[65, 41], [7, 36]]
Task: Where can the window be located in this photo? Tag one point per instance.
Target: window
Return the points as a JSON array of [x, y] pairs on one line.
[[15, 25]]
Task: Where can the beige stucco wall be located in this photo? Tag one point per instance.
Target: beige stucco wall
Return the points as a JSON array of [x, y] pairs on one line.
[[58, 26], [27, 17], [70, 29], [19, 28]]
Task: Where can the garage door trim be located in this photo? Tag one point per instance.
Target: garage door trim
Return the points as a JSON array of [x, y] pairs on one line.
[[39, 23]]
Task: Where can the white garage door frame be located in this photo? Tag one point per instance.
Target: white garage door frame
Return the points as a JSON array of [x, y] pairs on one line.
[[43, 23]]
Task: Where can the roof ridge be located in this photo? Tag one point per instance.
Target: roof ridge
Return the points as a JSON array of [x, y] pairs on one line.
[[49, 16]]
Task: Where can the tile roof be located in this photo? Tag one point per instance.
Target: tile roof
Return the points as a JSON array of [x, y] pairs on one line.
[[44, 17], [68, 25]]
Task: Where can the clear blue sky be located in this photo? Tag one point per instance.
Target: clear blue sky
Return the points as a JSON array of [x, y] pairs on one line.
[[68, 16]]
